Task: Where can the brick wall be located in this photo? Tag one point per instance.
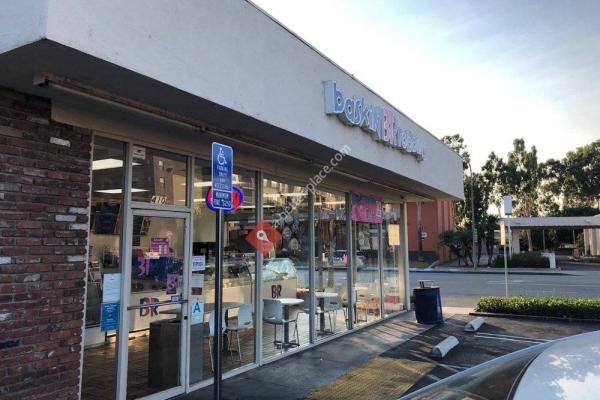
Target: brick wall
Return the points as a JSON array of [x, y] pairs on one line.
[[44, 195]]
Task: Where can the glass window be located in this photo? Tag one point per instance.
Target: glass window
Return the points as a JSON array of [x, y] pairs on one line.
[[157, 276], [239, 261], [331, 261], [158, 176], [285, 237], [366, 222], [393, 277], [99, 356]]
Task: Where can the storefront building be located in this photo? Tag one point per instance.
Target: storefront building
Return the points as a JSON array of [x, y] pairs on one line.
[[107, 240], [425, 221]]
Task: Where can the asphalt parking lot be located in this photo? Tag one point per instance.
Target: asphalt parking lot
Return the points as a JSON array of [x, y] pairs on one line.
[[408, 367], [498, 336]]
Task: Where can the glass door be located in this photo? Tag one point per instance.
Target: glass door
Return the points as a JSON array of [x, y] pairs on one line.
[[156, 304]]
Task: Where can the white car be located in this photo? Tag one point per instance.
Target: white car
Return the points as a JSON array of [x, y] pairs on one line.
[[565, 369]]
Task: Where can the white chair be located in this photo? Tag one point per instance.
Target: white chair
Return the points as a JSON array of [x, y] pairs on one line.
[[331, 305], [342, 289], [273, 314], [244, 321], [211, 334]]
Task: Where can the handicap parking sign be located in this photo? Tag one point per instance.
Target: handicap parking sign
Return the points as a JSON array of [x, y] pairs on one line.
[[222, 176]]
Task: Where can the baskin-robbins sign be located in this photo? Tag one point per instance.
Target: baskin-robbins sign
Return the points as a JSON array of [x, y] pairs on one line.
[[382, 123]]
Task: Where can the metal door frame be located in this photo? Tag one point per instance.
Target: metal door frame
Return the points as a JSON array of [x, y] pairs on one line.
[[123, 350]]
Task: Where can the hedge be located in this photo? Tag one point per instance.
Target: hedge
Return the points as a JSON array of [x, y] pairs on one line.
[[562, 307], [523, 260]]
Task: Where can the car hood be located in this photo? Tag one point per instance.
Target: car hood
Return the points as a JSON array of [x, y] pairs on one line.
[[567, 370]]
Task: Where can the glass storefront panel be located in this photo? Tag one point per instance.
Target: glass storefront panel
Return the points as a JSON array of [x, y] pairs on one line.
[[285, 230], [157, 276], [393, 284], [367, 215], [157, 270], [331, 263], [239, 261], [366, 264], [100, 354], [158, 176]]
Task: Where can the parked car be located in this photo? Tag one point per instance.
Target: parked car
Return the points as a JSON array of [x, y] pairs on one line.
[[567, 368]]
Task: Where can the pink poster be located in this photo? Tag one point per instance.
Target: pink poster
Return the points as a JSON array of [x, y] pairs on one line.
[[367, 209], [160, 246]]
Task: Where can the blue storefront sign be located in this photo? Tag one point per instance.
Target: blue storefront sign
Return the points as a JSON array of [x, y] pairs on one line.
[[109, 317], [222, 176]]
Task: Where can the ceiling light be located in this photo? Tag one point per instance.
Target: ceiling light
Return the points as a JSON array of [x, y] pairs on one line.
[[108, 163], [119, 191]]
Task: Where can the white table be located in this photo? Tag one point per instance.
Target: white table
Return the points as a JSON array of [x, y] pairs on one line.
[[287, 303], [321, 296]]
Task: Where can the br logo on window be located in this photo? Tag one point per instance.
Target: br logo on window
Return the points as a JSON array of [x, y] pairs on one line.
[[264, 237]]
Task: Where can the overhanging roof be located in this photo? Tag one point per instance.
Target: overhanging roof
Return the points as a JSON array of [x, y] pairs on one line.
[[555, 222], [221, 62]]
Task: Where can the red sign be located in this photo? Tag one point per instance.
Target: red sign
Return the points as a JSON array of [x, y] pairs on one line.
[[237, 199], [263, 237]]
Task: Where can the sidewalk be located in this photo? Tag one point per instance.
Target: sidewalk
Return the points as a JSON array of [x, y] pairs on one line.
[[489, 270], [295, 377]]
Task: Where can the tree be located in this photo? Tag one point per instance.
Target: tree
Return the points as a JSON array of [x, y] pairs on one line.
[[551, 174], [488, 227], [459, 243], [520, 178], [482, 191], [457, 143], [582, 176], [492, 171]]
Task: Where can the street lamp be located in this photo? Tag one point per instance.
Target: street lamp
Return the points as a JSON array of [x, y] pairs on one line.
[[473, 224]]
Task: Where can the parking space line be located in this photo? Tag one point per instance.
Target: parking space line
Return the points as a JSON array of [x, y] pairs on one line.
[[453, 366], [433, 377], [532, 341], [512, 337]]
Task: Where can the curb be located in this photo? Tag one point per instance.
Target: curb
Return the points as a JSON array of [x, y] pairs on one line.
[[534, 317], [447, 271]]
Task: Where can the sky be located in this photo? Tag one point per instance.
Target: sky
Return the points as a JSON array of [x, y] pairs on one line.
[[490, 70]]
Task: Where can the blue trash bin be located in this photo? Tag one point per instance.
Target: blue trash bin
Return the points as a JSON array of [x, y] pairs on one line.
[[428, 303]]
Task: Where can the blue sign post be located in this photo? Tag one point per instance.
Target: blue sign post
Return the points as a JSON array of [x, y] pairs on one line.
[[222, 176], [222, 199]]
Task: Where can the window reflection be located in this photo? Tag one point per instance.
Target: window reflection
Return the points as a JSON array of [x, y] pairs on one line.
[[99, 356], [158, 176], [367, 218], [239, 260], [393, 287], [331, 260], [285, 267]]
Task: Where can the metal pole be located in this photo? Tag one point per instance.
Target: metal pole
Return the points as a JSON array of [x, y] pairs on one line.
[[507, 237], [350, 297], [312, 306], [419, 232], [473, 222], [544, 239], [505, 269], [510, 239], [218, 304]]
